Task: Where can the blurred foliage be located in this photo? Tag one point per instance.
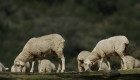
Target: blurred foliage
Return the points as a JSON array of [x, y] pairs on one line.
[[82, 23]]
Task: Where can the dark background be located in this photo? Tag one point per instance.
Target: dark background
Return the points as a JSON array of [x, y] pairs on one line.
[[82, 23]]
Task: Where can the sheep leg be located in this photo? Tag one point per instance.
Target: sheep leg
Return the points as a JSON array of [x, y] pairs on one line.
[[32, 68], [79, 66], [63, 64], [108, 63], [124, 62], [60, 55], [59, 66], [39, 62], [120, 52], [23, 69], [122, 65], [100, 66]]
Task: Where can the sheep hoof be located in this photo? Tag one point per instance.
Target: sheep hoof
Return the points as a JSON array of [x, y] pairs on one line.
[[31, 71], [100, 70], [124, 69]]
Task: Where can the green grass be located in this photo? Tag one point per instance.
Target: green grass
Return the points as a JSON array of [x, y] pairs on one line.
[[134, 71], [95, 75]]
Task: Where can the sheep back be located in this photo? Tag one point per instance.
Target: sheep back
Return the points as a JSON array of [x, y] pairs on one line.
[[83, 55], [42, 46], [108, 47]]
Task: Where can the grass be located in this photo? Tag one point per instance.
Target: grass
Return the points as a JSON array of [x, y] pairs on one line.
[[134, 71], [95, 75]]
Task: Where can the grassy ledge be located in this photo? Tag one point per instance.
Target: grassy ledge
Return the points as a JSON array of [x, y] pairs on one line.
[[95, 75]]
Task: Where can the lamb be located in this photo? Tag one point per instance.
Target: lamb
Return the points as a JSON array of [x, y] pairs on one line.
[[82, 57], [113, 46], [36, 48], [26, 68], [131, 63], [97, 65], [2, 67], [46, 66]]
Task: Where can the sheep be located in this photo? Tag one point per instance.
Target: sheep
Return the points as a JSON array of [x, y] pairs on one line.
[[36, 48], [113, 46], [82, 57], [131, 63], [26, 68], [2, 67], [97, 65], [46, 66]]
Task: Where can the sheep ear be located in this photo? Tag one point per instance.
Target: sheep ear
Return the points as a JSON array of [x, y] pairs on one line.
[[21, 63], [17, 63]]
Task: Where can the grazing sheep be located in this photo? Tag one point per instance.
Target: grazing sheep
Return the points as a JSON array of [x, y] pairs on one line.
[[82, 57], [2, 67], [106, 48], [35, 48], [25, 68], [46, 66], [131, 63]]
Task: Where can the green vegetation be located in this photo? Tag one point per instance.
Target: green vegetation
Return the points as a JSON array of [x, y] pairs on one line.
[[81, 22]]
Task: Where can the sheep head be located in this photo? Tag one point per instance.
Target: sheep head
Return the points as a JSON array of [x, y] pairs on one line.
[[91, 60], [19, 66], [87, 64]]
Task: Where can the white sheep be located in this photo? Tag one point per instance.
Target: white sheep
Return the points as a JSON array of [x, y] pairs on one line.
[[131, 63], [82, 57], [106, 48], [46, 66], [35, 48], [2, 67], [97, 65], [25, 68]]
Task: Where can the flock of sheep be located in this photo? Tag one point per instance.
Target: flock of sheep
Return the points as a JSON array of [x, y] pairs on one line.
[[53, 45]]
